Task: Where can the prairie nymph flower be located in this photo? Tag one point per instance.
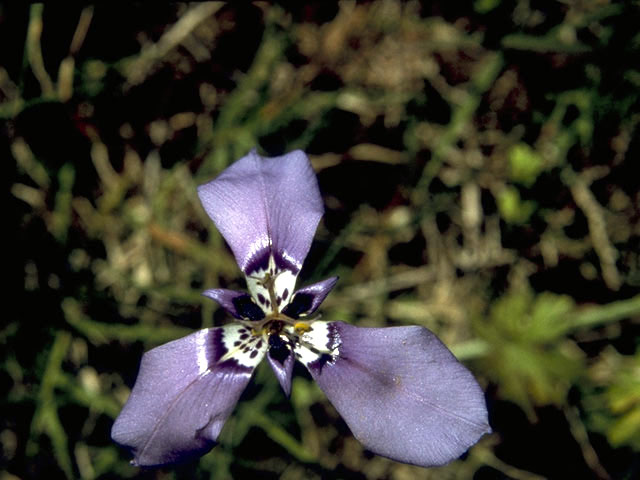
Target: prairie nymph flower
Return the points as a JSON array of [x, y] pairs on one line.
[[400, 390]]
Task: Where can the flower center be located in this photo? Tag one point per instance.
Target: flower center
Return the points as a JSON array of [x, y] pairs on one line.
[[275, 321], [271, 286]]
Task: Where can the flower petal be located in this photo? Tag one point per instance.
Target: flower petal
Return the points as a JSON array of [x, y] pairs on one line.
[[238, 304], [266, 207], [185, 391], [281, 359], [401, 391], [306, 300]]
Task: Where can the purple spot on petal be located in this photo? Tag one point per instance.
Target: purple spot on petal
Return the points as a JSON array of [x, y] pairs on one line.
[[253, 354], [283, 264], [215, 349], [260, 261], [285, 294], [321, 362], [334, 337], [233, 366]]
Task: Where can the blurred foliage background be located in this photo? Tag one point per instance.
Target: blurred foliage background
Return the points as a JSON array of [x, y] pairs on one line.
[[477, 164]]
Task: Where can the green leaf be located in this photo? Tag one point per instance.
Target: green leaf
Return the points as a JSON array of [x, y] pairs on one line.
[[512, 208], [525, 164], [623, 401], [528, 356]]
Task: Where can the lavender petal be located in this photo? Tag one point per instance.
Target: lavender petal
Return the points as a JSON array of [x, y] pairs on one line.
[[266, 207], [184, 393], [401, 391]]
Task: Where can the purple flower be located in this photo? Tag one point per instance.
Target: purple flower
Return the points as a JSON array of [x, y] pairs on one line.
[[401, 391]]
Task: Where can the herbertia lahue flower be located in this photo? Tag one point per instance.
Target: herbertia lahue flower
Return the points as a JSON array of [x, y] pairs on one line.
[[400, 390]]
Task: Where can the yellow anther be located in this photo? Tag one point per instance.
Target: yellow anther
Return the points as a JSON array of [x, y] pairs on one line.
[[301, 328]]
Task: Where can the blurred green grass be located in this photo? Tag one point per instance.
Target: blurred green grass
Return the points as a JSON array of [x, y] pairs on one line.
[[477, 167]]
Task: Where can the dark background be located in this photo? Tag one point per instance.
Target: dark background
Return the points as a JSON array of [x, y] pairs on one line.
[[478, 163]]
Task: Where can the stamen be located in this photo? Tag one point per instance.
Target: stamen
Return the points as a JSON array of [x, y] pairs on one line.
[[301, 327], [268, 282]]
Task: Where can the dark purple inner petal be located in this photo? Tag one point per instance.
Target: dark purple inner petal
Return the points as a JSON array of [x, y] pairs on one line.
[[281, 360], [226, 299], [278, 349], [300, 304], [246, 308], [306, 300]]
